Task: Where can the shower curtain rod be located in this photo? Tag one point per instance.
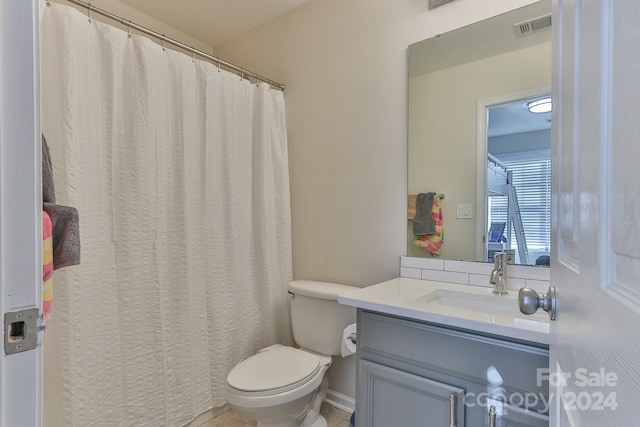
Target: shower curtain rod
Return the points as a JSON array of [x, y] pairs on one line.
[[239, 70]]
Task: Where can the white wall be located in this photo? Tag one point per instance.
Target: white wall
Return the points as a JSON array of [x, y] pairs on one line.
[[345, 67]]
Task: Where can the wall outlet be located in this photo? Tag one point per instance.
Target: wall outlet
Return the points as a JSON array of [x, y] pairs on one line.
[[464, 211]]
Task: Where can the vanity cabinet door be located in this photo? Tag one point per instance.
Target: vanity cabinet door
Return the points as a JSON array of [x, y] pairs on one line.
[[391, 397], [514, 416]]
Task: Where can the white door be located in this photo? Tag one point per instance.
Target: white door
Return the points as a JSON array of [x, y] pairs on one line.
[[595, 340], [20, 212]]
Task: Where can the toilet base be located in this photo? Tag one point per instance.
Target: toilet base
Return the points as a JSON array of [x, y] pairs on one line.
[[313, 418], [319, 422]]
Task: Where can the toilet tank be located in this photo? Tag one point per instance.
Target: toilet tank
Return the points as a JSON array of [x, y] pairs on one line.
[[316, 317]]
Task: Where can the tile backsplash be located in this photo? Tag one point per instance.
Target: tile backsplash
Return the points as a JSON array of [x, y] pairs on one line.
[[472, 273]]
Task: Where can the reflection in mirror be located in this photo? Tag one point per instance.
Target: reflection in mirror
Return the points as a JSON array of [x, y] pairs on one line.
[[519, 180], [458, 82]]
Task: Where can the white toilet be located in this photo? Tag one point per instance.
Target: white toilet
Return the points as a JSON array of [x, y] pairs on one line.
[[283, 386]]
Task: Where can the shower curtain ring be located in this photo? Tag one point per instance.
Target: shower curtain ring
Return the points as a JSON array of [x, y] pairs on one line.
[[89, 13], [219, 64], [193, 55], [129, 29], [48, 3], [162, 43]]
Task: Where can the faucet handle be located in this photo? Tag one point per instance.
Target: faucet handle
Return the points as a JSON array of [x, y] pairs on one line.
[[498, 259], [509, 256]]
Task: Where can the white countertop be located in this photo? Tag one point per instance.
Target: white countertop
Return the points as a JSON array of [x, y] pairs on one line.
[[406, 298]]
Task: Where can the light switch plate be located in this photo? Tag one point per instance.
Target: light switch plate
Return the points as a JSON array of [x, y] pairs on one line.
[[464, 211]]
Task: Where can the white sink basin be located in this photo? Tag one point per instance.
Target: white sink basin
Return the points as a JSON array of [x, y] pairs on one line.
[[506, 305], [473, 308]]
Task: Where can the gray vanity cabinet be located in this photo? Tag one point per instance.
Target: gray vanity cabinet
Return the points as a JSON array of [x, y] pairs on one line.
[[398, 398], [514, 416], [416, 374]]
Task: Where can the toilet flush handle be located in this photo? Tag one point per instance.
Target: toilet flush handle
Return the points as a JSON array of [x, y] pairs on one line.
[[352, 337]]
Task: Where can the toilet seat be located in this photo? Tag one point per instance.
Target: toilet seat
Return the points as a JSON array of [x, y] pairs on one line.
[[276, 370]]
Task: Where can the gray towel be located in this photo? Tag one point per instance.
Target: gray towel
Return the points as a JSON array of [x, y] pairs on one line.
[[64, 219], [48, 189], [423, 223]]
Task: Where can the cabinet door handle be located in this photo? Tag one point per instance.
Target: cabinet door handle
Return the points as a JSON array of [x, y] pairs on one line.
[[492, 416], [452, 410]]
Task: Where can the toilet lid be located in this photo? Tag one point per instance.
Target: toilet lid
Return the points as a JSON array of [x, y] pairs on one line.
[[273, 369]]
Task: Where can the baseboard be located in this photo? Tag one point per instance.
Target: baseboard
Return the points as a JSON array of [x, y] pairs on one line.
[[340, 401]]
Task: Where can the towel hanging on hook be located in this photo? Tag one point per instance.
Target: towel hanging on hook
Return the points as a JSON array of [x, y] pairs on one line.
[[431, 242], [423, 223]]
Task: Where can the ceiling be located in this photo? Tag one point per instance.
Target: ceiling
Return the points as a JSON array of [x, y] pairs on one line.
[[515, 117], [214, 21]]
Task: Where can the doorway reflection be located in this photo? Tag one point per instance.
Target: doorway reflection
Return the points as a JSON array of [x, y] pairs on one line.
[[519, 182]]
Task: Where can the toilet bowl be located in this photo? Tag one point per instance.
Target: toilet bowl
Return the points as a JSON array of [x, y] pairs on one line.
[[280, 386], [283, 386]]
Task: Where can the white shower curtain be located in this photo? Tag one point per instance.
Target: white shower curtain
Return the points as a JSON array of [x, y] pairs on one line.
[[179, 173]]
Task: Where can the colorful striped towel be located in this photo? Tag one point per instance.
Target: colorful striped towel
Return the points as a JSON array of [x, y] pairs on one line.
[[432, 242], [64, 219], [47, 266]]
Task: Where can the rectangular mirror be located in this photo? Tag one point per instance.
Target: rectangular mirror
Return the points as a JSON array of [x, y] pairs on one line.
[[472, 138]]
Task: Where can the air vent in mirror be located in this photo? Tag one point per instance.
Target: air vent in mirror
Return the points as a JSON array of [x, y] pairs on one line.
[[533, 25]]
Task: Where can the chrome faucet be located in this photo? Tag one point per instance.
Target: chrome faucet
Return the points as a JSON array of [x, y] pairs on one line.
[[498, 276]]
